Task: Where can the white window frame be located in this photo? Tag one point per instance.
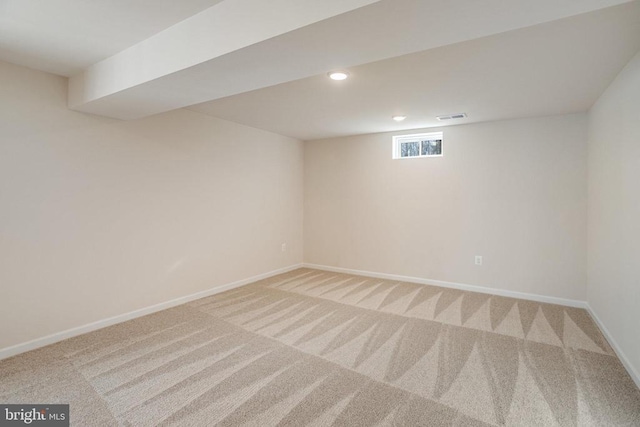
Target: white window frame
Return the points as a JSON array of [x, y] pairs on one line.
[[418, 137]]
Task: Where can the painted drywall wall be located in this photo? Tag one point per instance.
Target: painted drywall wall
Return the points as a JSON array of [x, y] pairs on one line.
[[613, 289], [514, 192], [100, 217]]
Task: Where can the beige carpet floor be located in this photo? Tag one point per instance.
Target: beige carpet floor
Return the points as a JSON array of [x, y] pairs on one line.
[[317, 348]]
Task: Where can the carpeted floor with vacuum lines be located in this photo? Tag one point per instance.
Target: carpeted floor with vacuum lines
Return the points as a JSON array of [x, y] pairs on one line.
[[316, 348]]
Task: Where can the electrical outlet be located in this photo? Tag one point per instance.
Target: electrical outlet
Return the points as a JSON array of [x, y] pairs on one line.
[[284, 247], [478, 260]]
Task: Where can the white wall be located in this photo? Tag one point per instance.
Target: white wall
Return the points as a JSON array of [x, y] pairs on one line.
[[100, 217], [513, 191], [613, 289]]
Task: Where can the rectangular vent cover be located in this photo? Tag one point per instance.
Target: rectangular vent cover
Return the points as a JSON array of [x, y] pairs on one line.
[[452, 116]]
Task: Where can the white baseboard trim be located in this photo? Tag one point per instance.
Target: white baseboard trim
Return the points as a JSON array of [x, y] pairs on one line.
[[635, 376], [452, 285], [73, 332]]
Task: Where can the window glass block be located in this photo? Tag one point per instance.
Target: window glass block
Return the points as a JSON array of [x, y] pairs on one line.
[[432, 147], [409, 149]]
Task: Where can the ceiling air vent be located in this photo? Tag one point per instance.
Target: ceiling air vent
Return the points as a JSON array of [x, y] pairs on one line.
[[452, 117]]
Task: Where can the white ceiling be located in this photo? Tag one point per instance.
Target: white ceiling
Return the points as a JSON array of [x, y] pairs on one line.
[[224, 50], [264, 64], [242, 45], [553, 68], [65, 36]]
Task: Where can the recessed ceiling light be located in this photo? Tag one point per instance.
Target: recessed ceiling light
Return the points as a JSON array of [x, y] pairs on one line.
[[338, 75], [398, 118]]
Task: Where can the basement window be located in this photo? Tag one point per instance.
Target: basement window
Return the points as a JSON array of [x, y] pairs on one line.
[[419, 145]]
